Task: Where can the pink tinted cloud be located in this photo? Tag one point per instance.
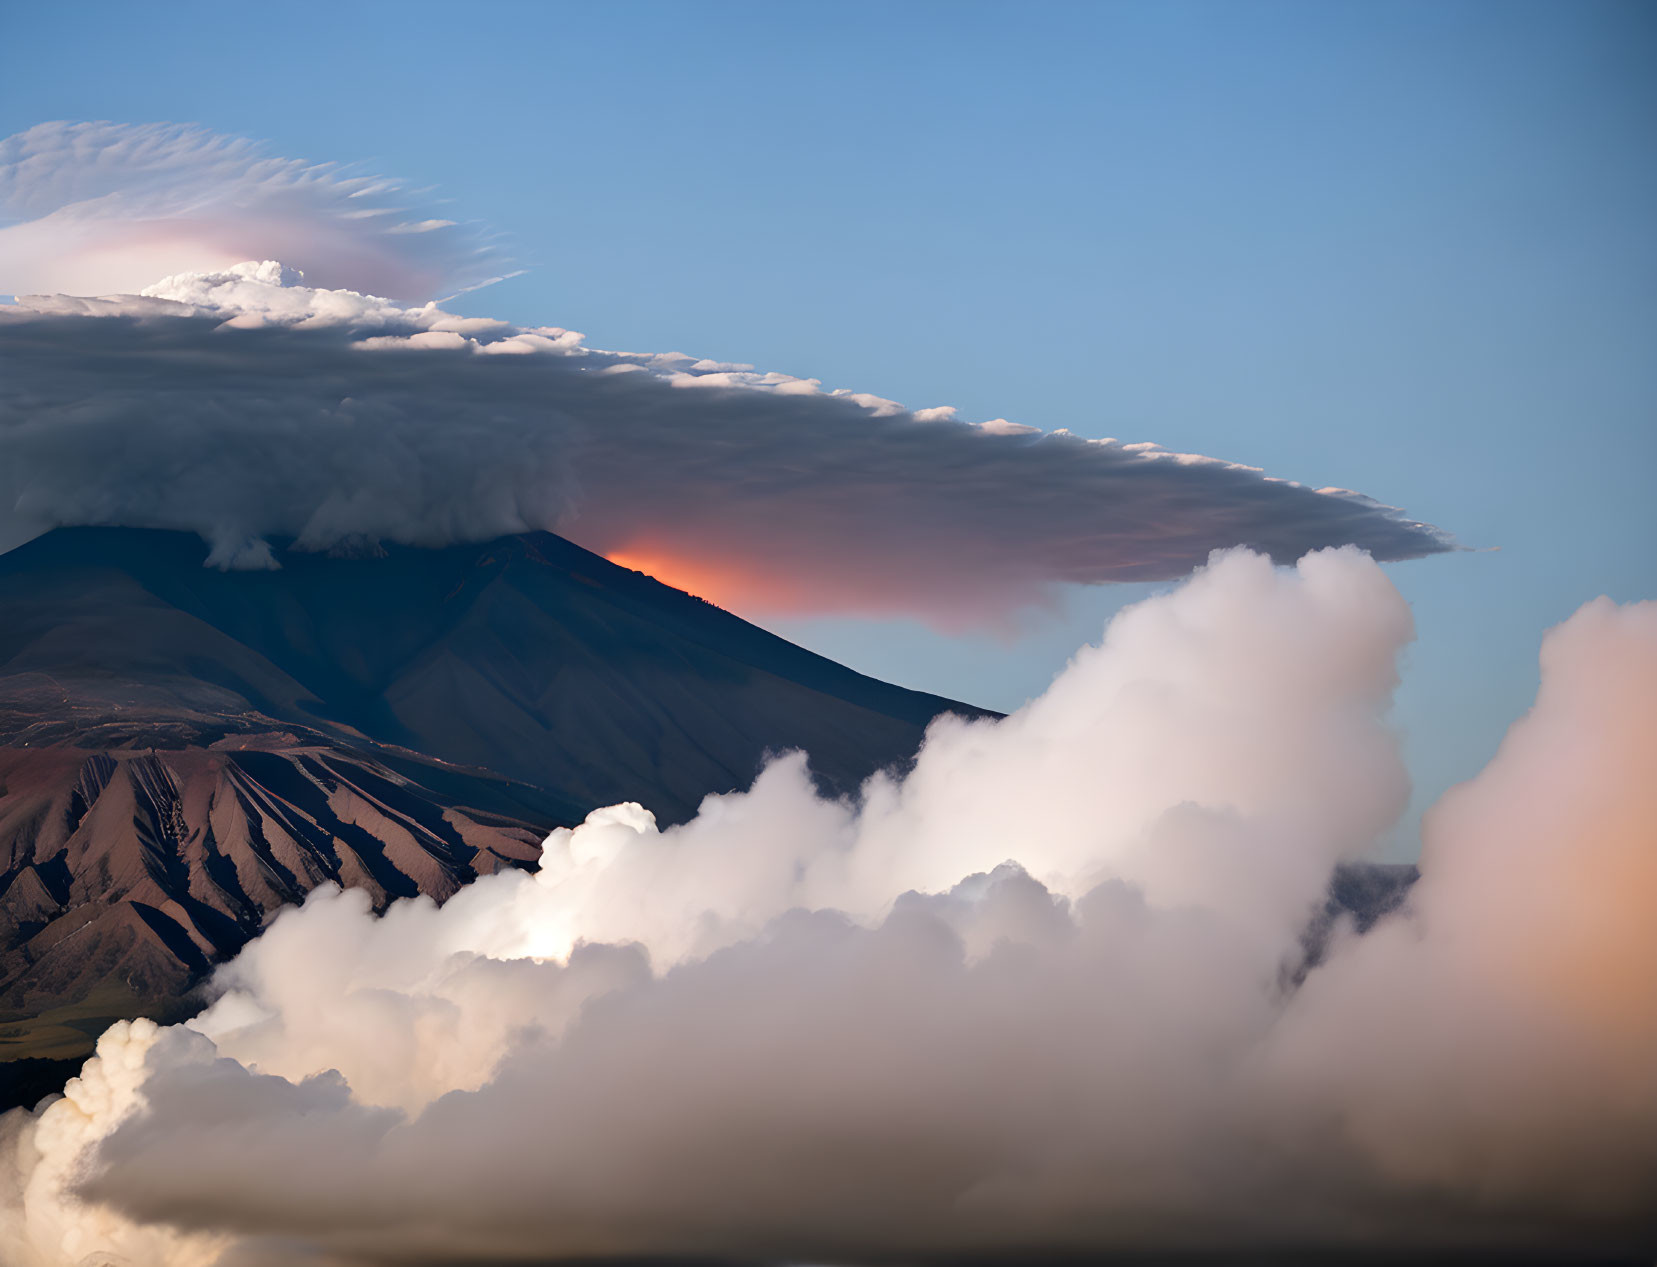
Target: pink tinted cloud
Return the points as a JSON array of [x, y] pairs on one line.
[[104, 208]]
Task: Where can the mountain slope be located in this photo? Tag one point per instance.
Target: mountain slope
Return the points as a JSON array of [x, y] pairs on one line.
[[528, 656], [184, 751]]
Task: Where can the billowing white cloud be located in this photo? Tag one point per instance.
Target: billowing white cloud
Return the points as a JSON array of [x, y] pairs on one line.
[[100, 208], [243, 406], [1040, 994]]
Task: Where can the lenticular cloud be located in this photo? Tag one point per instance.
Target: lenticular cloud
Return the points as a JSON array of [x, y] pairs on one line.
[[96, 208], [247, 406], [1047, 992]]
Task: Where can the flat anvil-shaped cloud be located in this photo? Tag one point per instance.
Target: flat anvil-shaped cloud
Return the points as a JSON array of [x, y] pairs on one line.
[[245, 406]]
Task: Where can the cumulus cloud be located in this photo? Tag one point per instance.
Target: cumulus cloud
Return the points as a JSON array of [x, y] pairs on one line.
[[1040, 994], [95, 208], [245, 406]]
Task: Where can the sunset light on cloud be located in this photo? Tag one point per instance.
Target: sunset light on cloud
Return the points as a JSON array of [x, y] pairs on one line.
[[107, 208]]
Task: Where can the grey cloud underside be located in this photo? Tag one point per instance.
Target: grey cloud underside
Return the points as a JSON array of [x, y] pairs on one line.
[[149, 413]]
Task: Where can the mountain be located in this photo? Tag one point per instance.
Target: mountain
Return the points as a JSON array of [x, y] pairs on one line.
[[183, 750], [528, 656]]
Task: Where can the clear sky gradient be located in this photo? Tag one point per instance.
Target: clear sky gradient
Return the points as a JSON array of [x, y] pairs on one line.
[[1407, 248]]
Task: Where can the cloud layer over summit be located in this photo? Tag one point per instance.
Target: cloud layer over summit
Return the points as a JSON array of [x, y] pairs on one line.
[[244, 406]]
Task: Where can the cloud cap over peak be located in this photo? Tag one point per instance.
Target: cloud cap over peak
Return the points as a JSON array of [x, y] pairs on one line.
[[242, 405]]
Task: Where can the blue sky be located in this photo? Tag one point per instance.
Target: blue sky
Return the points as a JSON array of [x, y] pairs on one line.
[[1404, 248]]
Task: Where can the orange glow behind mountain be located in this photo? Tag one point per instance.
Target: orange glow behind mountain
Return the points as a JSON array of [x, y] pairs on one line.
[[756, 586], [724, 587]]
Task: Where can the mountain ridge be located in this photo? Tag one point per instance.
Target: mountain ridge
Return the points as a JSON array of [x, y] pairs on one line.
[[400, 660]]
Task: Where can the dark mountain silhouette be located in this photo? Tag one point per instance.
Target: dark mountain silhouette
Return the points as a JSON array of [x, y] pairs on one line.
[[183, 751], [528, 656]]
